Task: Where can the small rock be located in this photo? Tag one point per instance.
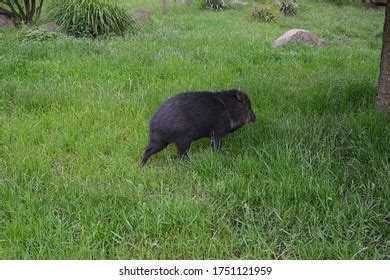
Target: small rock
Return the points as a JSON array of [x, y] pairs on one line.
[[379, 2], [142, 15], [239, 3], [184, 2], [6, 22], [50, 26], [372, 6], [300, 36]]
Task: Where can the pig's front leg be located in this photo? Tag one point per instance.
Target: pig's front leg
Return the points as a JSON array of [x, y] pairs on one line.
[[216, 143]]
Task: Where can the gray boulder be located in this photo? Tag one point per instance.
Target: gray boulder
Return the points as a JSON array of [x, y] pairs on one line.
[[379, 2], [5, 22], [299, 36], [239, 3], [50, 26], [184, 2], [373, 6], [142, 15]]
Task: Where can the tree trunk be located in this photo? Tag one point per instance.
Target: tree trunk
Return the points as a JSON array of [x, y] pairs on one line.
[[165, 7], [383, 101]]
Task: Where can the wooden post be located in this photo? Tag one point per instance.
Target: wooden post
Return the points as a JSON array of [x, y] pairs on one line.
[[383, 101], [165, 7]]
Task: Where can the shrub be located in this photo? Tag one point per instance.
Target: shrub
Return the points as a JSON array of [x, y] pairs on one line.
[[213, 4], [264, 12], [288, 8], [21, 11], [91, 18]]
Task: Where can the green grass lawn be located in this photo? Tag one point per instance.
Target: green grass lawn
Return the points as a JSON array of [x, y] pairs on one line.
[[309, 180]]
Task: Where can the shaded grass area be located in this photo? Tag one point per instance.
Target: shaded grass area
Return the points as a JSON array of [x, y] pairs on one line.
[[309, 180]]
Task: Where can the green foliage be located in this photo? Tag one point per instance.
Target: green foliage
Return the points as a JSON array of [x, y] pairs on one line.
[[213, 4], [288, 8], [91, 18], [26, 11], [41, 35], [264, 13]]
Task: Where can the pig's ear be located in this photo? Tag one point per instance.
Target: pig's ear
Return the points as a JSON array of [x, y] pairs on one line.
[[240, 96]]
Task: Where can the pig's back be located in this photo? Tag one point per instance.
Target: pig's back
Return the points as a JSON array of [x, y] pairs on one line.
[[187, 113]]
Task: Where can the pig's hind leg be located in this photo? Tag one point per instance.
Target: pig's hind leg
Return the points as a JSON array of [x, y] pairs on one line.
[[183, 145], [152, 148]]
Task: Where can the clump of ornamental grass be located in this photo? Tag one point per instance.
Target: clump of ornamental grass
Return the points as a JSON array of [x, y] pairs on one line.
[[91, 18]]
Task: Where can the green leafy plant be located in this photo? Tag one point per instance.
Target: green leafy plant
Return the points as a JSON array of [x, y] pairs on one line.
[[91, 18], [41, 35], [264, 13], [21, 11], [289, 8]]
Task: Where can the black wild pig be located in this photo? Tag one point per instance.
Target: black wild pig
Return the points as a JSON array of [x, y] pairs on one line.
[[189, 116]]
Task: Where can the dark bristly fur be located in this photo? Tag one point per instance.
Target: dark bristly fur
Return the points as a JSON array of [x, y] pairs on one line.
[[189, 116]]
